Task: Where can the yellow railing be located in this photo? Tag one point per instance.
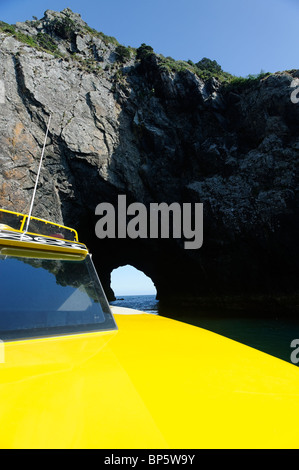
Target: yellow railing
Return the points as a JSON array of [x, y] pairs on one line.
[[16, 221]]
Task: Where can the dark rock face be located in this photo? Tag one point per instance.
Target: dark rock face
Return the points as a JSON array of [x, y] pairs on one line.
[[156, 136]]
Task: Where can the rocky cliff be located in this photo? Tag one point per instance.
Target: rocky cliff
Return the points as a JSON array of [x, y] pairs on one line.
[[136, 123]]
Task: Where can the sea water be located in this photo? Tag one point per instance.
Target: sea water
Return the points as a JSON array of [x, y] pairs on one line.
[[272, 334], [145, 303]]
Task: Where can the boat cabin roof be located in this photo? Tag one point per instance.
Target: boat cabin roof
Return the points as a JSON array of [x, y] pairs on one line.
[[43, 238]]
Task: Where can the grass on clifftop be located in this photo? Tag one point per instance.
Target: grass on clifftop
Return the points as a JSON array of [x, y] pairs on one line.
[[205, 69], [41, 41], [240, 83], [107, 39]]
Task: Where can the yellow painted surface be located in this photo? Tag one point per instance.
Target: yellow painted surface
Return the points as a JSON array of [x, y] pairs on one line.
[[154, 383], [23, 220], [40, 246], [40, 250]]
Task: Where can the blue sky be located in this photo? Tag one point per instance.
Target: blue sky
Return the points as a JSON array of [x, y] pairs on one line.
[[244, 36], [127, 280]]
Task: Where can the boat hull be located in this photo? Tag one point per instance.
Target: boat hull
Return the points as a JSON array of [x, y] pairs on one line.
[[154, 383]]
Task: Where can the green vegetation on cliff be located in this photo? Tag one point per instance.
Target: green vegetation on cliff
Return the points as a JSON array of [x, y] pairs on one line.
[[204, 69], [65, 27], [40, 41], [99, 34], [11, 30]]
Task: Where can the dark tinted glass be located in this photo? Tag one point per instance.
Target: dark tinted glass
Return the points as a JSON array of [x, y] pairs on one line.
[[40, 297], [14, 221], [38, 226]]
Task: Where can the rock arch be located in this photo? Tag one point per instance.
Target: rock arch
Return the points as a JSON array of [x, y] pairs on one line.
[[128, 280]]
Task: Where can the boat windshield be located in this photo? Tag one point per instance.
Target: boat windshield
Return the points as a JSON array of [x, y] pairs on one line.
[[45, 297]]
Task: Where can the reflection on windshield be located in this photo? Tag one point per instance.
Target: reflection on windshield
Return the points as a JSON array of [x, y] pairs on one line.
[[41, 297]]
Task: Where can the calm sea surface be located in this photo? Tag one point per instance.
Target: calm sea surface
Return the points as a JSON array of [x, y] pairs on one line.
[[270, 335]]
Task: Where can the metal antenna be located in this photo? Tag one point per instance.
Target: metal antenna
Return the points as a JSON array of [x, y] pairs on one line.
[[37, 178]]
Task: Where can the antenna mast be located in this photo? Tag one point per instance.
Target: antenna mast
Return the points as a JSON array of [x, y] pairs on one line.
[[37, 178]]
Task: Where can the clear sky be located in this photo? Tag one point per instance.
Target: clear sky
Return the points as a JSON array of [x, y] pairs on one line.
[[127, 280], [243, 36]]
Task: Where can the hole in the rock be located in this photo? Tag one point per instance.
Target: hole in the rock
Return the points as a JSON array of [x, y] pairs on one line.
[[127, 280], [134, 290]]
